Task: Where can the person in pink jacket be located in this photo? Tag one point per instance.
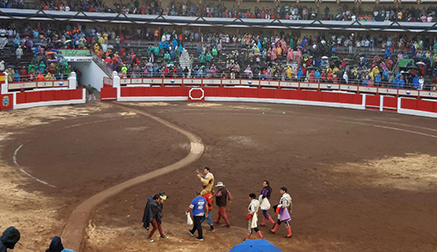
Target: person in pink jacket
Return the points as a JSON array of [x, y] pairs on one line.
[[290, 54], [273, 55], [283, 46]]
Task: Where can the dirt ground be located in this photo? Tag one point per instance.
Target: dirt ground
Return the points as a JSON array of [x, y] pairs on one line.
[[360, 180]]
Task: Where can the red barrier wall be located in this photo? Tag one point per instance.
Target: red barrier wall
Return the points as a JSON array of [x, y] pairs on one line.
[[257, 94], [108, 93], [420, 105], [49, 95], [239, 92]]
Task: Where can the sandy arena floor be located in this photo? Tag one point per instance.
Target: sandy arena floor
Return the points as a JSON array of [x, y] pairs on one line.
[[360, 180]]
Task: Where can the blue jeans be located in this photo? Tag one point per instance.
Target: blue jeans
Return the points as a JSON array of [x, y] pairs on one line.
[[208, 219]]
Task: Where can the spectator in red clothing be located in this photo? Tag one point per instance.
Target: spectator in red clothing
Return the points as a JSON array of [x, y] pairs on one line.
[[40, 77], [222, 196], [23, 74]]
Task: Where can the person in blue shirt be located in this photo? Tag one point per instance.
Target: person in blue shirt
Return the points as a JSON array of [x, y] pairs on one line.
[[401, 81], [396, 82], [317, 75], [199, 208], [387, 53], [416, 82], [378, 79], [300, 74], [385, 75]]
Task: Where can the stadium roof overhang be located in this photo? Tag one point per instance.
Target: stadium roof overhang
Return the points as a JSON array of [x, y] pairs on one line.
[[117, 18]]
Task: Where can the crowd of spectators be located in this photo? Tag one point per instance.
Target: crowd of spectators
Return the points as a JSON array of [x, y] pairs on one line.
[[45, 62], [220, 10], [16, 4], [327, 58], [281, 57]]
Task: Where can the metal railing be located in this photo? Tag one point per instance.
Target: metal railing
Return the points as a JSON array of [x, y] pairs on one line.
[[101, 65], [243, 76]]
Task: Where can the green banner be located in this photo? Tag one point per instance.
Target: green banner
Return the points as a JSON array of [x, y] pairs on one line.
[[73, 53], [404, 62]]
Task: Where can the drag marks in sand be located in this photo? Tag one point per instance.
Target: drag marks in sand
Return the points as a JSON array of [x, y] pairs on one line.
[[102, 237], [416, 172], [204, 105], [244, 142], [149, 104]]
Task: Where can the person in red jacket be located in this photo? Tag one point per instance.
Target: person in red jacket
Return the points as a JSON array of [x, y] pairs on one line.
[[209, 200], [40, 77], [23, 74]]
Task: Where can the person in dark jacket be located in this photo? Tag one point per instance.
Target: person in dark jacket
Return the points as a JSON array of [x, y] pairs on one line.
[[222, 198], [56, 245], [153, 215], [9, 238]]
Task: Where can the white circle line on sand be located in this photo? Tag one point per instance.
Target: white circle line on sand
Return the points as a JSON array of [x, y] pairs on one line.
[[388, 122], [14, 158], [393, 128]]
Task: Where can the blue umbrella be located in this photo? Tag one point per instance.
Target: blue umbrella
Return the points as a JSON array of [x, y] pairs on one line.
[[260, 245]]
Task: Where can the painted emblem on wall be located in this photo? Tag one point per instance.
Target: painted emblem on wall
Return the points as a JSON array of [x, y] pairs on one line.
[[5, 101]]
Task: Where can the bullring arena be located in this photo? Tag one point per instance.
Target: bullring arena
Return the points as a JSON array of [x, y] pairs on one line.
[[360, 180], [106, 104]]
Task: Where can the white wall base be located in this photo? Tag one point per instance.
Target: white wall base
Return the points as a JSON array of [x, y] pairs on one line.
[[287, 101], [416, 113], [48, 103], [153, 98]]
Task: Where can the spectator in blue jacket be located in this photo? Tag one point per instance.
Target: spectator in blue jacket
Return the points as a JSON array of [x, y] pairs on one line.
[[416, 82], [401, 81]]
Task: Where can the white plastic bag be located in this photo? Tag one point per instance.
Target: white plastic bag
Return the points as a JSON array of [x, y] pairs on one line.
[[189, 220], [265, 204]]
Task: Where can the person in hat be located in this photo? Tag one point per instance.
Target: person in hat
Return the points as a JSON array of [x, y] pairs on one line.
[[153, 215], [207, 180], [9, 238], [252, 217], [222, 196], [283, 210]]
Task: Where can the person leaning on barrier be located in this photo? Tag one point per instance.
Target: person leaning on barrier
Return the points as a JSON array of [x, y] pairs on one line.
[[90, 89]]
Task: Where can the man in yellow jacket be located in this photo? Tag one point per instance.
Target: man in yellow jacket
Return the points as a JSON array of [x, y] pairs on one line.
[[207, 180]]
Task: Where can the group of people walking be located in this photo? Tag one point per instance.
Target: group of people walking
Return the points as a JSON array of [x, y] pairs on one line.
[[283, 210], [203, 202]]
